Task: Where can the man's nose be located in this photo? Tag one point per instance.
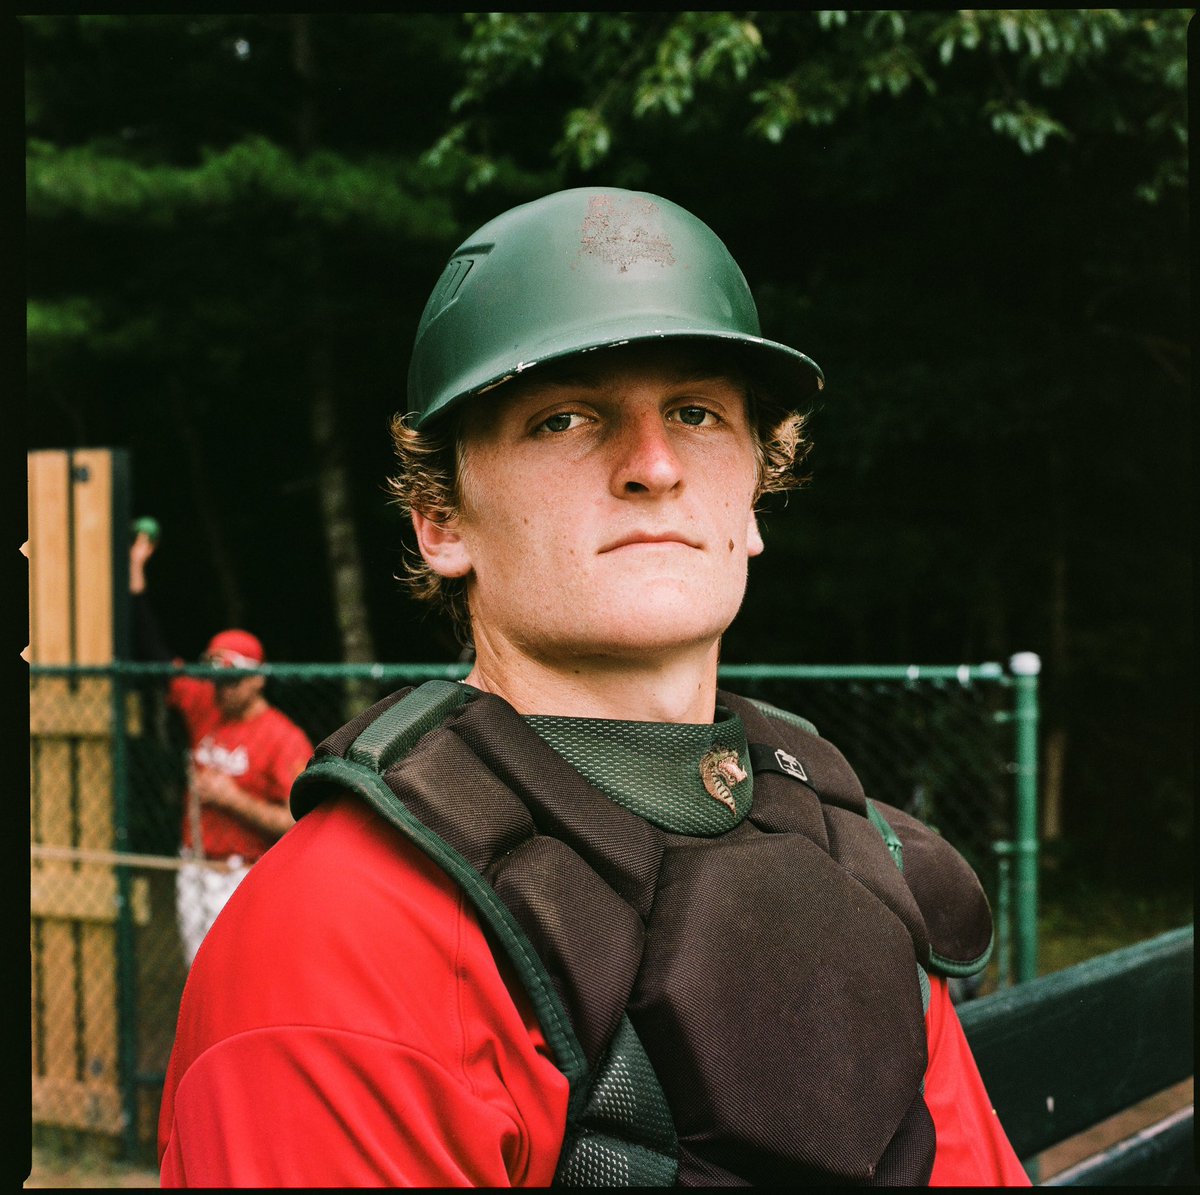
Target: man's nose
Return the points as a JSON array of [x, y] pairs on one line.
[[645, 459]]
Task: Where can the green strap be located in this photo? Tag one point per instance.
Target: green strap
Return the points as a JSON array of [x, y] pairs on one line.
[[391, 736], [890, 838]]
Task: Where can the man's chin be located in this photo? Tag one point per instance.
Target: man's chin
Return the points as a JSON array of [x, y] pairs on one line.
[[645, 640]]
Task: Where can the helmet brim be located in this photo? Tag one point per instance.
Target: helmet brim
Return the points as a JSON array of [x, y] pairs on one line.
[[790, 378]]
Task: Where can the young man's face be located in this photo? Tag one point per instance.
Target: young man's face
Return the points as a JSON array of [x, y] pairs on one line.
[[607, 509], [234, 696]]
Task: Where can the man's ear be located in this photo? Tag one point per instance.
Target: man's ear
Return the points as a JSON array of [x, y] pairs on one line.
[[441, 546]]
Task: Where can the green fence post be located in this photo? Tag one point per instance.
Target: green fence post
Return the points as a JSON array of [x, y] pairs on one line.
[[1025, 666]]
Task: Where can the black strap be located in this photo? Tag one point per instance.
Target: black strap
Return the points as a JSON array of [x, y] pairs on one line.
[[776, 759]]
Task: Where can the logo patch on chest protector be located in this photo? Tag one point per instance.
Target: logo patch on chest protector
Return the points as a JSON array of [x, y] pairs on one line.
[[790, 764], [720, 770]]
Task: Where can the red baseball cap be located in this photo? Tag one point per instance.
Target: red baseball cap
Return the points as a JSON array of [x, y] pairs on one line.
[[234, 649]]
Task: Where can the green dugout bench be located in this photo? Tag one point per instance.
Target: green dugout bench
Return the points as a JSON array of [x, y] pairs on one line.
[[1064, 1052]]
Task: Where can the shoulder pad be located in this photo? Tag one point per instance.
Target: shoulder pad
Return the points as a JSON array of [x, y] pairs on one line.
[[948, 892]]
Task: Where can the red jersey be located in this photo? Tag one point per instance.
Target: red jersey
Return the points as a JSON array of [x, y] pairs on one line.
[[410, 1056], [262, 754]]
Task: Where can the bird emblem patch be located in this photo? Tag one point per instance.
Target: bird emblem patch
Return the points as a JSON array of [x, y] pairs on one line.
[[720, 770]]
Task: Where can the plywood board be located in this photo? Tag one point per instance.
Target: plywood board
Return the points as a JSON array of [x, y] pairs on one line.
[[50, 606], [93, 556], [71, 587], [94, 1106], [90, 894]]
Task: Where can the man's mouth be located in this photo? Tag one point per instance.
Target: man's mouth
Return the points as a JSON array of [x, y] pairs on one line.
[[650, 539]]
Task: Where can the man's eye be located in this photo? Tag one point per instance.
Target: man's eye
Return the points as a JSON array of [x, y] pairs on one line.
[[563, 421], [695, 416]]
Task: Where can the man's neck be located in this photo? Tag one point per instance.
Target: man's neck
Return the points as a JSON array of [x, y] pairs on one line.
[[679, 687]]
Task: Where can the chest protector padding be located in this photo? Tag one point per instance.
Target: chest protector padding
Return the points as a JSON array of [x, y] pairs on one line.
[[769, 973]]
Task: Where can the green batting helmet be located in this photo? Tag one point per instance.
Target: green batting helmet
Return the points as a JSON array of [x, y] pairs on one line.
[[583, 269]]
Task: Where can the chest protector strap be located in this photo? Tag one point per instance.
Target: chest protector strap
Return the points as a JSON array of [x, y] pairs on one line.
[[716, 1022]]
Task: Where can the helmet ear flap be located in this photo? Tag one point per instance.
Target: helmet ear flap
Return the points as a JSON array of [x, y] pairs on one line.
[[578, 270]]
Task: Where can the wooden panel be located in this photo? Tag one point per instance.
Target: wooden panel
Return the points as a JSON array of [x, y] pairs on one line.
[[35, 1001], [87, 895], [98, 953], [93, 546], [54, 1013], [54, 710], [95, 1106], [50, 640], [58, 1027], [71, 621], [98, 946], [52, 815], [95, 794], [50, 811]]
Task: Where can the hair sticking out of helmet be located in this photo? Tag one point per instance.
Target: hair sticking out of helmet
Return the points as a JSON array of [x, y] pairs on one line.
[[580, 270]]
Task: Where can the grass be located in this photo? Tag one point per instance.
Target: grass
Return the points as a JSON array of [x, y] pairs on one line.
[[1081, 917]]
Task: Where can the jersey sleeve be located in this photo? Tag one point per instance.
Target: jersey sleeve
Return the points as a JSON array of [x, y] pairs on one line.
[[972, 1148], [410, 1057], [301, 1106], [193, 698]]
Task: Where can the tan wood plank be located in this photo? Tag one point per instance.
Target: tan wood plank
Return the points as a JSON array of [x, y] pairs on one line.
[[95, 793], [48, 551], [35, 1001], [71, 604], [49, 558], [95, 1106], [50, 791], [58, 1022], [89, 895], [92, 498], [99, 973], [54, 710]]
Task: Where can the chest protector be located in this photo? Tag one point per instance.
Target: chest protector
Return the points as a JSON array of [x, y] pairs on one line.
[[731, 1010]]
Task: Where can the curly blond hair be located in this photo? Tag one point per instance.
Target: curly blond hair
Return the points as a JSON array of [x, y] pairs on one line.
[[430, 471]]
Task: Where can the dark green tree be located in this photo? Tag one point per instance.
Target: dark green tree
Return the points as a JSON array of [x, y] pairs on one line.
[[975, 220], [221, 212]]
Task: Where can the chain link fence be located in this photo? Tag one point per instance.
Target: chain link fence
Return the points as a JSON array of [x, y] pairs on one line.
[[108, 775]]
